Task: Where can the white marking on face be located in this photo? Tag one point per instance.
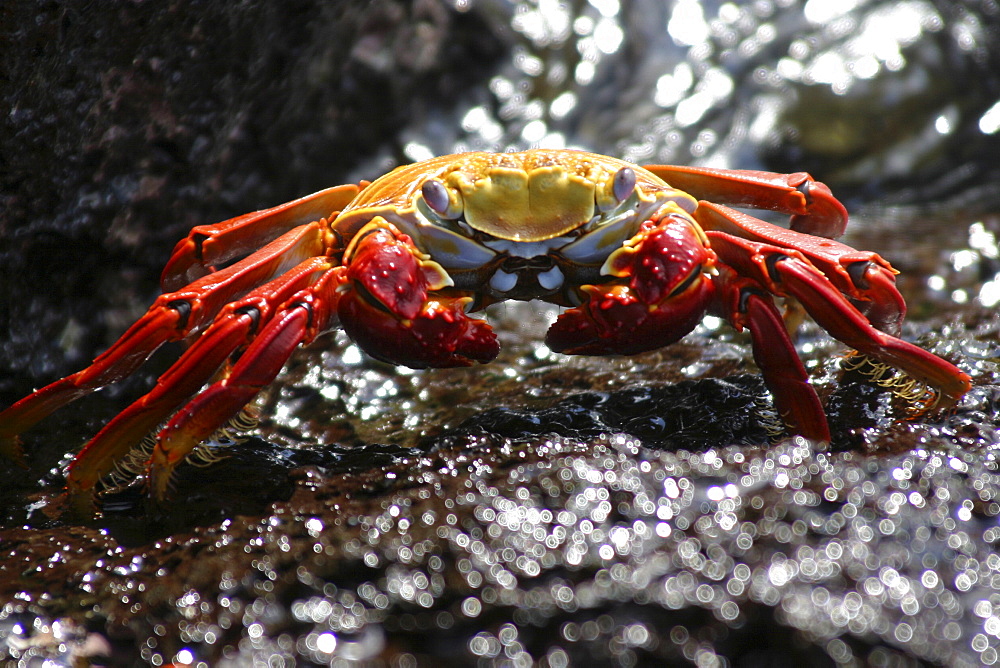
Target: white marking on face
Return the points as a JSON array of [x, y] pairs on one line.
[[551, 279], [502, 281]]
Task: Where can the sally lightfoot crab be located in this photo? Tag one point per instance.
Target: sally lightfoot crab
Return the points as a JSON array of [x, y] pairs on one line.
[[637, 256]]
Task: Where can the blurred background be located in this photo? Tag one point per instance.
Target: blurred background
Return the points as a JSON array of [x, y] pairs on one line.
[[127, 123]]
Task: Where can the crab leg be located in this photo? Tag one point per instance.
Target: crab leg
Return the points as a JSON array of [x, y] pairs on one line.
[[233, 328], [786, 272], [813, 208], [299, 320], [744, 303], [209, 245], [173, 316], [862, 275]]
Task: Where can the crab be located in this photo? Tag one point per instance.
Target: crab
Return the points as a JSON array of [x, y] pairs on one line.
[[637, 256]]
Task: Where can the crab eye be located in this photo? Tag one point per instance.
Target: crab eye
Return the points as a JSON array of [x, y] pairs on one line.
[[438, 198], [623, 184]]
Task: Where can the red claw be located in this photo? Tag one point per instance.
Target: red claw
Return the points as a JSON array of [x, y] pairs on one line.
[[666, 296], [614, 321], [440, 335], [388, 313], [662, 256], [386, 268]]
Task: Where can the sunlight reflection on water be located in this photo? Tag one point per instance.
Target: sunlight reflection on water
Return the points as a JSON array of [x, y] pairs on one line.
[[645, 82]]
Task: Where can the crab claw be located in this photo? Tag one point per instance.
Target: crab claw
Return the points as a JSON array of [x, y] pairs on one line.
[[387, 310], [665, 297]]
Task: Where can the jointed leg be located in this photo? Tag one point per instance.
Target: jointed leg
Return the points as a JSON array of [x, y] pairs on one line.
[[232, 329], [745, 303], [865, 277], [787, 273], [298, 321], [172, 317], [208, 245], [813, 208]]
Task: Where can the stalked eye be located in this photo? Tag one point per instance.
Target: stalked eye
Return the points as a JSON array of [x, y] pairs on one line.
[[623, 184], [438, 198]]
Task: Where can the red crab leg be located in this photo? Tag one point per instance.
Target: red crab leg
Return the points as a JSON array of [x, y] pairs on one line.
[[172, 317], [745, 303], [786, 272], [813, 208], [209, 245], [862, 275], [307, 314], [233, 328]]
